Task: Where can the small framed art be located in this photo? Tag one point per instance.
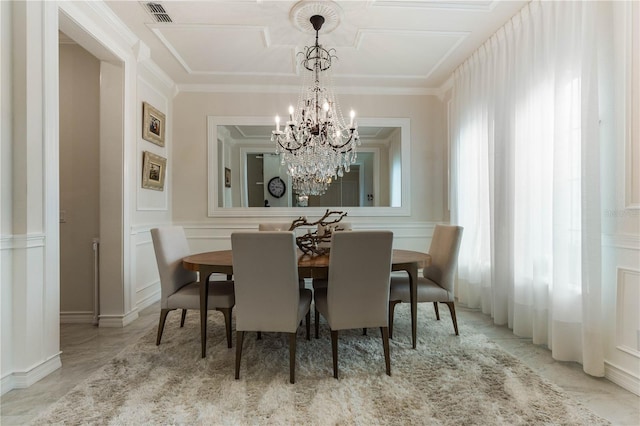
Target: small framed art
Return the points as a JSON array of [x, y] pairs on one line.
[[153, 124], [153, 171]]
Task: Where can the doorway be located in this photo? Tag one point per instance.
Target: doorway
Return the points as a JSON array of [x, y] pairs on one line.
[[79, 144], [108, 197]]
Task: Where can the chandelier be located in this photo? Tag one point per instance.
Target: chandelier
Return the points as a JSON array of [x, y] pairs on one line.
[[317, 145]]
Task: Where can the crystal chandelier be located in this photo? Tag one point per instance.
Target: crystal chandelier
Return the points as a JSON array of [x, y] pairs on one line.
[[316, 145]]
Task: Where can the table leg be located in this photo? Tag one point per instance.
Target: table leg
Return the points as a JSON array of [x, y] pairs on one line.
[[413, 286], [204, 298]]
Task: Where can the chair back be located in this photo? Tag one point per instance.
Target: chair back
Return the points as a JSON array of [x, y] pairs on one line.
[[274, 226], [170, 245], [265, 272], [359, 276], [443, 250]]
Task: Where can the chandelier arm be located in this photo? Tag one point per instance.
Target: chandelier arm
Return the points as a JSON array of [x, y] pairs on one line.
[[293, 134], [287, 147], [344, 144]]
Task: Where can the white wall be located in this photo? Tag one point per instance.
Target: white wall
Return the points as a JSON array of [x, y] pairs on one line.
[[79, 180], [6, 257], [30, 241], [621, 218], [152, 208], [30, 262], [428, 162]]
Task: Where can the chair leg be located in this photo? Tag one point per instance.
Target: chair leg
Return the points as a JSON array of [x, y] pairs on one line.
[[364, 331], [435, 307], [259, 335], [385, 346], [163, 318], [334, 352], [239, 339], [292, 357], [392, 307], [227, 323], [452, 309], [307, 320], [184, 316], [316, 321]]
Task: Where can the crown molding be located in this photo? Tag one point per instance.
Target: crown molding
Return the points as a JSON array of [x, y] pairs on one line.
[[113, 21], [362, 90]]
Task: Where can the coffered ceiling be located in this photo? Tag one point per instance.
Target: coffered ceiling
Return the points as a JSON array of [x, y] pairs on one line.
[[393, 46]]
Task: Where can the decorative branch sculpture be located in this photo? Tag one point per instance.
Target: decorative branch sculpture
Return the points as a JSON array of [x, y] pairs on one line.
[[310, 243]]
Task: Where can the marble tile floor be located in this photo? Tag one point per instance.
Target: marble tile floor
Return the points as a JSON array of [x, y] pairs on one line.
[[86, 348]]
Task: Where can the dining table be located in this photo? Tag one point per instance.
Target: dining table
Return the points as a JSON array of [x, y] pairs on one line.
[[317, 266]]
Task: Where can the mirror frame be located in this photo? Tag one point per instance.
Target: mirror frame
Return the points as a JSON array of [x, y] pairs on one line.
[[214, 175]]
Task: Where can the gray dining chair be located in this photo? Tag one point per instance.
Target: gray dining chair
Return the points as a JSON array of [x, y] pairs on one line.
[[357, 294], [179, 288], [437, 282], [334, 227], [279, 226], [268, 298]]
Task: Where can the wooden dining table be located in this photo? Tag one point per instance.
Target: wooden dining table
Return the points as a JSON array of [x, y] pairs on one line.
[[221, 261]]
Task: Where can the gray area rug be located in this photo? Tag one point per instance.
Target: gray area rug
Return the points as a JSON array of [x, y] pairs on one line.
[[447, 380]]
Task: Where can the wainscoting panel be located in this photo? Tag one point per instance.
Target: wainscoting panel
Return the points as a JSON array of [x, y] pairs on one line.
[[621, 307], [147, 279], [628, 316], [407, 236]]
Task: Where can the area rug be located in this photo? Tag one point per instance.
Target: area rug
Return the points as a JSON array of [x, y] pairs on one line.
[[447, 380]]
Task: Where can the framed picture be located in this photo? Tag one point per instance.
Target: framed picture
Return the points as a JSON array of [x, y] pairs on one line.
[[153, 171], [153, 123], [227, 177]]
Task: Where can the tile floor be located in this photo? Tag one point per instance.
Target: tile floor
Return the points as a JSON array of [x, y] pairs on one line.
[[86, 348]]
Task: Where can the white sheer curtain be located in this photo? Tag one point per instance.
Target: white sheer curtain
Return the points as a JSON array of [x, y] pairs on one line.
[[525, 179]]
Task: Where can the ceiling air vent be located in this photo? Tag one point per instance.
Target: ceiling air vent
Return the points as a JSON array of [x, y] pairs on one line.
[[157, 11]]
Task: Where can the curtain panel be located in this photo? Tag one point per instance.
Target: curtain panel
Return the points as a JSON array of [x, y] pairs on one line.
[[525, 179]]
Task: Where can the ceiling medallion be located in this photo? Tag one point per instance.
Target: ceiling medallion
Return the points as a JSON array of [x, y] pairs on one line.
[[302, 12]]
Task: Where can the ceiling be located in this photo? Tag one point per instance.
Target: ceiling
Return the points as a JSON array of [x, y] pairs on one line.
[[382, 46]]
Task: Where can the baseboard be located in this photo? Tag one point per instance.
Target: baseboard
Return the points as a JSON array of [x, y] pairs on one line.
[[622, 378], [118, 321], [149, 300], [24, 379], [76, 317]]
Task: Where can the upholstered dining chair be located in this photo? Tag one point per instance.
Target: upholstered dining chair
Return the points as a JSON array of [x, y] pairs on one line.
[[268, 298], [437, 281], [335, 227], [357, 294], [284, 226], [179, 287]]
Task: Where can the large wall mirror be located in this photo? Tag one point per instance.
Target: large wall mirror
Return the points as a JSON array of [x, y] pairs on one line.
[[245, 177]]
